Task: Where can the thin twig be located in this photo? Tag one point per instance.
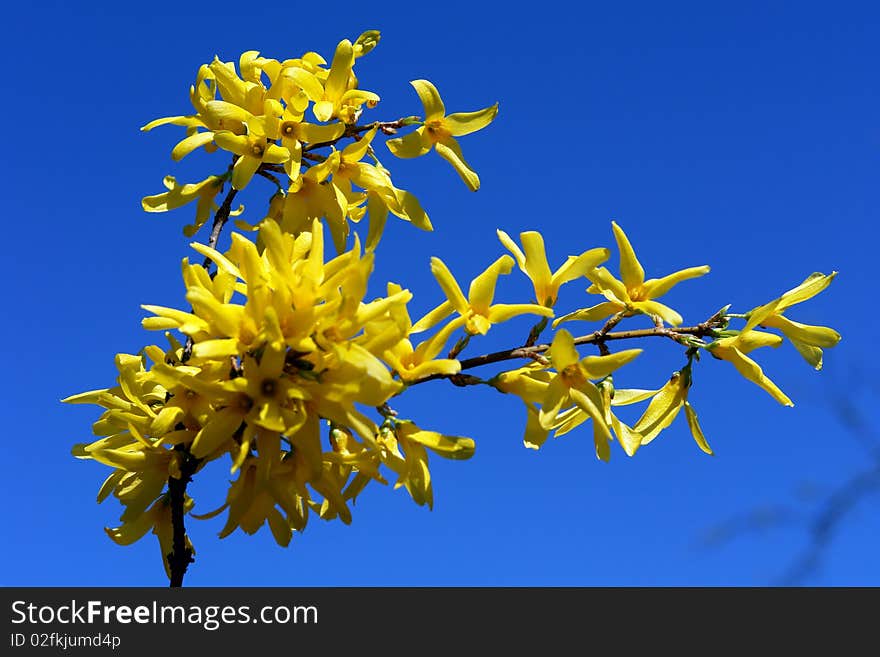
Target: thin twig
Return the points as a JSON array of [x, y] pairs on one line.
[[181, 556], [534, 352], [459, 346], [268, 176], [613, 321], [385, 127], [220, 219], [536, 331]]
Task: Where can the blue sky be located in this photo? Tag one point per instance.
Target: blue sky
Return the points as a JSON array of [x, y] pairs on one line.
[[742, 136]]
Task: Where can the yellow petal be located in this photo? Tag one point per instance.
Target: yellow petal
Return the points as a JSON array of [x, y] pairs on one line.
[[132, 531], [166, 419], [323, 110], [528, 384], [554, 399], [124, 459], [215, 434], [431, 347], [358, 97], [319, 134], [216, 349], [275, 154], [430, 98], [569, 420], [535, 434], [753, 372], [221, 111], [355, 151], [629, 438], [280, 528], [631, 271], [180, 195], [188, 145], [577, 266], [482, 288], [477, 324], [626, 396], [222, 262], [464, 123], [811, 354], [748, 341], [598, 367], [185, 121], [657, 287], [818, 336], [665, 313], [593, 314], [811, 286], [433, 317], [412, 210], [238, 144], [603, 449], [340, 70], [243, 171], [696, 431], [411, 145], [607, 284], [501, 312], [562, 351], [662, 410], [450, 151], [537, 268], [588, 399], [449, 285], [450, 447], [378, 213], [443, 366], [305, 81], [511, 246]]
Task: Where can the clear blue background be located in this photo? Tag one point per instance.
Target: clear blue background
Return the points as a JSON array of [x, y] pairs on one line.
[[744, 135]]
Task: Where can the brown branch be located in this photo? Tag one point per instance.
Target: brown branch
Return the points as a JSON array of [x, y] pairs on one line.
[[181, 556], [613, 321], [385, 127], [268, 176], [220, 219], [459, 346], [678, 334], [535, 332]]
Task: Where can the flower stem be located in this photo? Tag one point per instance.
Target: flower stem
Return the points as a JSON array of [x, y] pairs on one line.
[[601, 336]]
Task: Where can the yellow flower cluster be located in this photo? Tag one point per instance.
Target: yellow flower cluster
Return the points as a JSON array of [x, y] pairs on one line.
[[283, 344], [807, 339], [582, 389], [279, 118]]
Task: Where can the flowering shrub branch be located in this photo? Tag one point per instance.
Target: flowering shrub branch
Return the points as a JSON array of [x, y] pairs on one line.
[[679, 334], [287, 371]]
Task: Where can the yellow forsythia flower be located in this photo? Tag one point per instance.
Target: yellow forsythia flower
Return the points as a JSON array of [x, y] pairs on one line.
[[632, 294], [440, 130]]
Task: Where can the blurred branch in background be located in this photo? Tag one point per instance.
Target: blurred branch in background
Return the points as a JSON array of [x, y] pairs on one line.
[[822, 512]]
